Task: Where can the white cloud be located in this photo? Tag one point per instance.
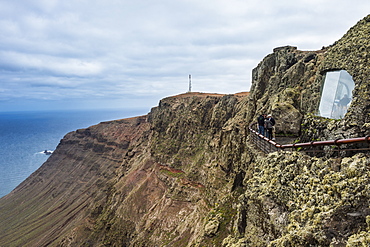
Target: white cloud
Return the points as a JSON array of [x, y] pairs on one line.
[[44, 64], [110, 49]]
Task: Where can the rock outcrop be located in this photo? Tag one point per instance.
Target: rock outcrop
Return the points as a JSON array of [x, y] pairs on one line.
[[187, 175]]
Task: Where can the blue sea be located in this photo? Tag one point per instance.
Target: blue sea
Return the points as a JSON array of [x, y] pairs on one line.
[[24, 136]]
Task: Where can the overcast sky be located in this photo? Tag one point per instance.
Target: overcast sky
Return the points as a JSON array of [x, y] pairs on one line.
[[60, 54]]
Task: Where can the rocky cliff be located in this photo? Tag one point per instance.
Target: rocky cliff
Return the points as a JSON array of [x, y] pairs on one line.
[[187, 175]]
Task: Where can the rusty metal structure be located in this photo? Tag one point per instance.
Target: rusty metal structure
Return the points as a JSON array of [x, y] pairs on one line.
[[339, 146]]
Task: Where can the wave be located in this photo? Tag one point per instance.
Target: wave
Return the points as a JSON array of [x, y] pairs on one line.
[[47, 152]]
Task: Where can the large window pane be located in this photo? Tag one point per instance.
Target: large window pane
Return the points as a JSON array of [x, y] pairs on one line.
[[337, 94]]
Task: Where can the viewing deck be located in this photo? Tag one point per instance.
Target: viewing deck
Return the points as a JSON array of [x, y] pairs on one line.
[[339, 146]]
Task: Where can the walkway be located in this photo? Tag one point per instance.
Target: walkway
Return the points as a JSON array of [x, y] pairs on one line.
[[339, 146]]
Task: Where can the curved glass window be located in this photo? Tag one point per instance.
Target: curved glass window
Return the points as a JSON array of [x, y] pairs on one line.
[[336, 94]]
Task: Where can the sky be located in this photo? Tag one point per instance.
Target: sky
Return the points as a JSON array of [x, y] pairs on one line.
[[102, 54]]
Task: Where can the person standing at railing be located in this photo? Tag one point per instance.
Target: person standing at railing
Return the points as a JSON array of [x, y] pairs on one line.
[[269, 125], [261, 124]]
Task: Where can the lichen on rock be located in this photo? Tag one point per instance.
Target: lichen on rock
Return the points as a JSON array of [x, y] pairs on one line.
[[306, 201]]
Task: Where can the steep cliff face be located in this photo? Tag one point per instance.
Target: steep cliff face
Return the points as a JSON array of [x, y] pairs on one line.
[[61, 195], [288, 83], [187, 175], [351, 53], [283, 84], [170, 191], [147, 181]]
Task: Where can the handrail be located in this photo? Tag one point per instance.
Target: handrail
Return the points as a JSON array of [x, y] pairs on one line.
[[337, 142]]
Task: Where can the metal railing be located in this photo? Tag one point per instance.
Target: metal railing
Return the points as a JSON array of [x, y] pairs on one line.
[[268, 146]]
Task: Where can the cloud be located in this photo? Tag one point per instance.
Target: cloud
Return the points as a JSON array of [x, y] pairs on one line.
[[95, 51], [49, 65]]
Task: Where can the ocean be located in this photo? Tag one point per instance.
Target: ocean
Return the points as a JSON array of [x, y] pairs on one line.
[[24, 136]]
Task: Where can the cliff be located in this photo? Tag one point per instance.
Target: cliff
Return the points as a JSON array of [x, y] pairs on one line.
[[186, 174]]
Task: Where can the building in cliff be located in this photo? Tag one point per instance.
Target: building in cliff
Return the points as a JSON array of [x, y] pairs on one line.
[[336, 95]]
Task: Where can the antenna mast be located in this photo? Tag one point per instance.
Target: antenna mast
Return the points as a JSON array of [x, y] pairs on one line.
[[189, 84]]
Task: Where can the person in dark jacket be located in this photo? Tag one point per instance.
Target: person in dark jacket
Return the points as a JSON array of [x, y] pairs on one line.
[[261, 124], [269, 125]]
